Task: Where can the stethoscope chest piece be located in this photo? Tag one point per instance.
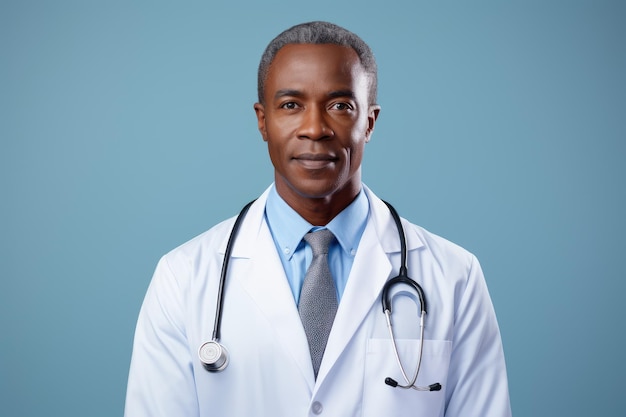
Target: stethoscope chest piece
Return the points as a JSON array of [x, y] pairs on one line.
[[214, 356]]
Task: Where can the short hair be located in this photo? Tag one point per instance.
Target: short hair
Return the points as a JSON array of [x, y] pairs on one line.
[[318, 33]]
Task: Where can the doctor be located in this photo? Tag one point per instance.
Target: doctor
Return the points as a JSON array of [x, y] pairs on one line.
[[316, 111]]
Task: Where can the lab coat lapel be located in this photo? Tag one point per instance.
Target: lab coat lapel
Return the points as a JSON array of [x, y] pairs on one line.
[[370, 270], [266, 283]]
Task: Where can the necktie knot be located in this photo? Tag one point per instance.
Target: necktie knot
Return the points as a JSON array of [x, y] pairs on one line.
[[319, 240]]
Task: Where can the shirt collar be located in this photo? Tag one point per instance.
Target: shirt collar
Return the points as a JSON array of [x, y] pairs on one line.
[[288, 227]]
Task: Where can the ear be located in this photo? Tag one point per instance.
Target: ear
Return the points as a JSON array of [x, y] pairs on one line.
[[372, 115], [260, 117]]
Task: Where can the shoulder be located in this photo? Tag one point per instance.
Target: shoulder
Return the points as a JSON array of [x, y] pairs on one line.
[[440, 246], [453, 263], [416, 235], [430, 247], [448, 270], [212, 240], [212, 243]]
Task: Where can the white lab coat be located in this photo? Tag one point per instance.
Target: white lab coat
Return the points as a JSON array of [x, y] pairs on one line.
[[270, 372]]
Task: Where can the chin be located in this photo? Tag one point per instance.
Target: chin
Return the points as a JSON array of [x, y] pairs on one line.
[[320, 190], [315, 193]]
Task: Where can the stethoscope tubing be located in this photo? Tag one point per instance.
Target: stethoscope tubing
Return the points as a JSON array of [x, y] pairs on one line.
[[220, 291], [216, 356], [386, 301]]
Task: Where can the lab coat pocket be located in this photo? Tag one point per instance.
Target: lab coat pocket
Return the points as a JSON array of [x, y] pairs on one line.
[[379, 399]]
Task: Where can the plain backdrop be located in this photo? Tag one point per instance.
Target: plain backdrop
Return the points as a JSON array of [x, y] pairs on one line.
[[127, 128]]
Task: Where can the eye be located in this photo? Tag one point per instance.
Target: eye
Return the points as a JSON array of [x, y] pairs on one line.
[[290, 105], [342, 106]]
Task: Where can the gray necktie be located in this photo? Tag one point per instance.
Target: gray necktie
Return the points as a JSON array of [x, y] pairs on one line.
[[318, 297]]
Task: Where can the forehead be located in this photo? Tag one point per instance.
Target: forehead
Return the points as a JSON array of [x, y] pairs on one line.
[[311, 66]]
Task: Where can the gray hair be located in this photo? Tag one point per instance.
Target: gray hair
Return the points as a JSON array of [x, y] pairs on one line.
[[320, 33]]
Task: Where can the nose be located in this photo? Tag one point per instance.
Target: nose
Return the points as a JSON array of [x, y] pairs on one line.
[[314, 125]]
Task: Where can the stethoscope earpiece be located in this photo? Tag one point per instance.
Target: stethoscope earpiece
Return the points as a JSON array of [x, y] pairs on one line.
[[432, 387]]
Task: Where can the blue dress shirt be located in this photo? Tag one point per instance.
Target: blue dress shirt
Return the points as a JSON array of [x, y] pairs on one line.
[[288, 228]]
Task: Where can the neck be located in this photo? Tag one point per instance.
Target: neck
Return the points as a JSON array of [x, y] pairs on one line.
[[318, 211]]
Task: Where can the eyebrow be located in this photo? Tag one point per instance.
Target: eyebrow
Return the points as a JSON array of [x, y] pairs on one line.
[[342, 93], [297, 93], [287, 93]]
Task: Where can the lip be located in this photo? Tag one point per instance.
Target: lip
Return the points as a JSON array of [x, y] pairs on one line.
[[315, 161]]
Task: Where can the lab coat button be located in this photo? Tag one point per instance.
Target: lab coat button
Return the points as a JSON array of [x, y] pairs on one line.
[[317, 408]]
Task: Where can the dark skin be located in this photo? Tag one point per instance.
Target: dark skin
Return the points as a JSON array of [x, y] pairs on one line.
[[316, 120]]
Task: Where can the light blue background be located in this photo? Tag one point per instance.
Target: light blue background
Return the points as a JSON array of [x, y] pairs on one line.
[[127, 128]]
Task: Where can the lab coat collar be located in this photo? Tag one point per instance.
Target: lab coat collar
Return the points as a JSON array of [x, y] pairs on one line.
[[379, 213]]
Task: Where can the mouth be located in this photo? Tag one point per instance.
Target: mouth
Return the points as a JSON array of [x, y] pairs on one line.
[[315, 161]]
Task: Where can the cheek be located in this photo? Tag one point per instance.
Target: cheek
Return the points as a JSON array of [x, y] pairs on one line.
[[280, 126], [356, 155], [274, 151], [274, 138], [360, 141], [357, 147]]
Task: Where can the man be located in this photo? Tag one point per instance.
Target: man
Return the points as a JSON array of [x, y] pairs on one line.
[[291, 351]]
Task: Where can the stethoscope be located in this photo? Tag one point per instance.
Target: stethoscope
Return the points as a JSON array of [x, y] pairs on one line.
[[214, 356]]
